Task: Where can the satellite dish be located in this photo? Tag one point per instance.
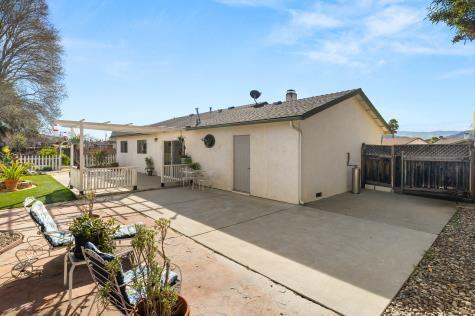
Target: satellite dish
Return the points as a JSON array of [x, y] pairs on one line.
[[255, 95]]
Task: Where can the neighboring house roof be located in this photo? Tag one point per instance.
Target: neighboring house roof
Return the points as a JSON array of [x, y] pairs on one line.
[[451, 141], [403, 141], [262, 113]]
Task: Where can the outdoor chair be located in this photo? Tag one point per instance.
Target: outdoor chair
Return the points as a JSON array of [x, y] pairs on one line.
[[55, 239], [204, 178], [120, 292]]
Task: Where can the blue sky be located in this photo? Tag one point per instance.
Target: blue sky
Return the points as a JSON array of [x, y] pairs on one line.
[[145, 61]]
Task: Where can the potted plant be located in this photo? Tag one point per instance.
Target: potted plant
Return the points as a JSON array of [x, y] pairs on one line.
[[195, 166], [183, 156], [157, 296], [187, 160], [75, 140], [90, 227], [149, 166], [13, 173]]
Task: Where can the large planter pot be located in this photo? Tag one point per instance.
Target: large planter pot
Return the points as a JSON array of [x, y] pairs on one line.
[[80, 241], [181, 309], [149, 171], [10, 185]]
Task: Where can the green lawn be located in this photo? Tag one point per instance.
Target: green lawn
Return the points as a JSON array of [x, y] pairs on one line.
[[47, 190]]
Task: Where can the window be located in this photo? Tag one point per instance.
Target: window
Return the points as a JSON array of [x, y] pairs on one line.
[[141, 146], [123, 146]]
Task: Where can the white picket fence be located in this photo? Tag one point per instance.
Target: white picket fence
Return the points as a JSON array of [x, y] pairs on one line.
[[103, 178], [173, 173], [91, 160], [40, 162]]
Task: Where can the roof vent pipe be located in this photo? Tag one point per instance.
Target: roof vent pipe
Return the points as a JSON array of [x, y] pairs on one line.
[[198, 119], [291, 95]]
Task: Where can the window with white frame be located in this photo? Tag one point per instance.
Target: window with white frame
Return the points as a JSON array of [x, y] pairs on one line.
[[141, 146]]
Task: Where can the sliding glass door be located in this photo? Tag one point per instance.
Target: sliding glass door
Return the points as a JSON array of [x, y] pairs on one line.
[[172, 152]]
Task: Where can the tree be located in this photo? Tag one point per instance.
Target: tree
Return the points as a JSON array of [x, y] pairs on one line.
[[434, 140], [393, 125], [457, 14], [31, 73]]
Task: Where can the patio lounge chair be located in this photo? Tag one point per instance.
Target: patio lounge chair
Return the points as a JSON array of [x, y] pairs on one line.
[[121, 294], [55, 239]]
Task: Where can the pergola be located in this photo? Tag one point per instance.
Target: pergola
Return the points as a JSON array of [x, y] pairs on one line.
[[105, 126]]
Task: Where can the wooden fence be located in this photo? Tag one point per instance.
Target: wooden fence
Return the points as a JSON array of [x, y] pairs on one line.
[[41, 162], [441, 170]]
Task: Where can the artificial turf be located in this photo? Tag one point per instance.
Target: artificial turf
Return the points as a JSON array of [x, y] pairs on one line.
[[47, 190]]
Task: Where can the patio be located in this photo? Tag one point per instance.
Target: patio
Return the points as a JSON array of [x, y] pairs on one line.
[[338, 253], [212, 283]]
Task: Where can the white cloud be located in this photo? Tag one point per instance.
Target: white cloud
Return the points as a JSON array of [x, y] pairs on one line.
[[458, 73], [391, 21], [314, 20], [340, 52], [303, 24]]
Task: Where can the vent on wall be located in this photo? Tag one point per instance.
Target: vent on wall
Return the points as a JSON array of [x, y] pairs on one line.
[[318, 195]]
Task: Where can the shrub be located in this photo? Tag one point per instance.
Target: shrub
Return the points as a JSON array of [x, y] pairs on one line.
[[65, 161], [51, 151], [15, 171]]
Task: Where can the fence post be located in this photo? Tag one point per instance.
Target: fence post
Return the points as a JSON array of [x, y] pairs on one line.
[[393, 168], [472, 176], [363, 178], [402, 171]]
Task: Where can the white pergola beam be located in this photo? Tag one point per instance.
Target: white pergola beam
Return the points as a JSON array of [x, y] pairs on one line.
[[106, 126]]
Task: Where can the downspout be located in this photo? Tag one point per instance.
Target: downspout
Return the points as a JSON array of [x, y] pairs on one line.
[[299, 131]]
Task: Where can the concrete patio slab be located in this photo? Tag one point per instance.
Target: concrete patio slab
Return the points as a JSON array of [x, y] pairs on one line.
[[336, 260], [212, 284], [413, 212], [339, 256], [200, 212]]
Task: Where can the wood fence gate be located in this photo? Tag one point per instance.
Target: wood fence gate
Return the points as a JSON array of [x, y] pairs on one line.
[[437, 170]]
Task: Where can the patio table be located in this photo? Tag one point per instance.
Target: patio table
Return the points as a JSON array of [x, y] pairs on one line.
[[193, 175]]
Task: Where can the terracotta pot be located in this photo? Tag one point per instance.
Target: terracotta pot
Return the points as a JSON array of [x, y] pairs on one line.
[[10, 184], [182, 308]]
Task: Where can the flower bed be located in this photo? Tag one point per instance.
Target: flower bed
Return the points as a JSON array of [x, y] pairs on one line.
[[9, 239]]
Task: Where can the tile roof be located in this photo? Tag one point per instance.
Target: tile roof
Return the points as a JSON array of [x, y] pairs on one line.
[[251, 114]]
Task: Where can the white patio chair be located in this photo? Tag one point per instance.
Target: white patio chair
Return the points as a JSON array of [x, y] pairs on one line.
[[204, 180]]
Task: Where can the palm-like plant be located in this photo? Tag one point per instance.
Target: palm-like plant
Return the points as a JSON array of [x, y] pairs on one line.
[[15, 170]]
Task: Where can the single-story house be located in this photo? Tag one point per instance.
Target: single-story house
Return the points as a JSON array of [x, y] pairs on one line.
[[403, 140], [453, 141], [293, 150]]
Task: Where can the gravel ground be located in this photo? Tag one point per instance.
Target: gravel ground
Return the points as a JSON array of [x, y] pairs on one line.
[[444, 281], [7, 238]]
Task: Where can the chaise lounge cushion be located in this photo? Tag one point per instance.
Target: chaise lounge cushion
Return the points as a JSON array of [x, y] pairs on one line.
[[40, 215], [56, 238], [126, 231]]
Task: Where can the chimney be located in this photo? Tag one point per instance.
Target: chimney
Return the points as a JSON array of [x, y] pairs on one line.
[[291, 95]]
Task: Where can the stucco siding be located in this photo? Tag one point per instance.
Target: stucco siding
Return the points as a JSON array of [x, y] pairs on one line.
[[326, 138], [273, 155], [132, 158]]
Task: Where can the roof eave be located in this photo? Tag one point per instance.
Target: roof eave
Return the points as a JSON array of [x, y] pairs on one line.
[[263, 121]]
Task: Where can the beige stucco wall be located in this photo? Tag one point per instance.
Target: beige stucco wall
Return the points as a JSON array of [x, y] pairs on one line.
[[326, 138], [273, 149]]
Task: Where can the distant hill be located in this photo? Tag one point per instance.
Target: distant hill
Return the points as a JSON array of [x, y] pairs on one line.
[[427, 135]]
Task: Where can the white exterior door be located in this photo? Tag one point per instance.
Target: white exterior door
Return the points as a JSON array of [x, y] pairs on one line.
[[242, 163]]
